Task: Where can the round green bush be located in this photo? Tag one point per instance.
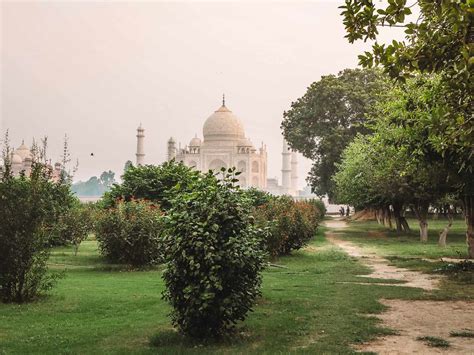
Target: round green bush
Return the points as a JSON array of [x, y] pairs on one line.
[[213, 257]]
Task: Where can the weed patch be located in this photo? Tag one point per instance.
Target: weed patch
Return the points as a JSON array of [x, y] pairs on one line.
[[434, 342]]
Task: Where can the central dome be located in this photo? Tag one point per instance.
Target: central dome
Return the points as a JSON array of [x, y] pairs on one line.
[[223, 125]]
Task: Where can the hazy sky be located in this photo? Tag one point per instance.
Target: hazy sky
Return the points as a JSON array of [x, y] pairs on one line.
[[95, 70]]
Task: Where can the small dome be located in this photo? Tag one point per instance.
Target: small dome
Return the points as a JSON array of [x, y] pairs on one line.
[[223, 125], [16, 159], [195, 142], [171, 140], [245, 143], [23, 151]]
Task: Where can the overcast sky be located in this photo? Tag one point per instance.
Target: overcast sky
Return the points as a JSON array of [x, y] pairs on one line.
[[95, 70]]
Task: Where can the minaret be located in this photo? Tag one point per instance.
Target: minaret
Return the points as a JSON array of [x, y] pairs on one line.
[[286, 168], [140, 145], [171, 149], [294, 173]]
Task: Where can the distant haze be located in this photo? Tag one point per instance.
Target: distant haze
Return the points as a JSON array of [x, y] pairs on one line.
[[95, 70]]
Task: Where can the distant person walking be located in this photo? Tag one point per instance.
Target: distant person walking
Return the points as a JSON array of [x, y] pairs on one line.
[[341, 211], [347, 211]]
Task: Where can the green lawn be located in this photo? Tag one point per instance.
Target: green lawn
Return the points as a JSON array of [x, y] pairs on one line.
[[308, 305]]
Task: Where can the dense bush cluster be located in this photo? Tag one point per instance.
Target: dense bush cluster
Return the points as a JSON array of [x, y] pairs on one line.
[[292, 223], [214, 257], [30, 208], [152, 183], [131, 233], [73, 226]]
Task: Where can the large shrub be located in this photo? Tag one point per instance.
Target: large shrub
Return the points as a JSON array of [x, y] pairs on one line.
[[74, 225], [213, 257], [292, 224], [29, 209], [153, 183], [131, 233]]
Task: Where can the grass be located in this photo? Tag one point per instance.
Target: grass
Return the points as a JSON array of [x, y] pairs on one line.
[[312, 305], [462, 334], [407, 251], [434, 342]]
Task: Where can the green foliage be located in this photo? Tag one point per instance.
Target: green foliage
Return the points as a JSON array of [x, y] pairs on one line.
[[462, 334], [434, 342], [325, 120], [153, 183], [257, 197], [29, 209], [439, 40], [320, 206], [74, 225], [131, 233], [292, 224], [462, 271], [213, 256]]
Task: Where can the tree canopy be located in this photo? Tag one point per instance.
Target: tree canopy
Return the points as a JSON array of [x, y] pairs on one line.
[[328, 116]]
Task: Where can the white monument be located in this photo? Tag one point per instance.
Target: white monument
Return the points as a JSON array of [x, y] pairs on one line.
[[225, 145]]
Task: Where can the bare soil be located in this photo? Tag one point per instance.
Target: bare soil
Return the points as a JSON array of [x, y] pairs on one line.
[[411, 319]]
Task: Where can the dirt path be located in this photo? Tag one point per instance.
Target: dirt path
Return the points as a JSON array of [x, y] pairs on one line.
[[380, 266], [411, 319]]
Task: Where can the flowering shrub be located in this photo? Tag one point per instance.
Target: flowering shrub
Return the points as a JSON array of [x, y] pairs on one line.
[[131, 233], [292, 224]]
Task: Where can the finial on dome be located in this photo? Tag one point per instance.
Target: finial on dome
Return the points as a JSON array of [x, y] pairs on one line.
[[223, 99]]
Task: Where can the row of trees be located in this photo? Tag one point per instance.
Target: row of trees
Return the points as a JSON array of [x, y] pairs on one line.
[[402, 135]]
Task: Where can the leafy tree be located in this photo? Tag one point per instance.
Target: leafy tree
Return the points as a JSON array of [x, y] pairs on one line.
[[31, 206], [107, 178], [128, 164], [440, 40], [153, 183], [397, 165], [213, 256], [322, 122], [95, 186]]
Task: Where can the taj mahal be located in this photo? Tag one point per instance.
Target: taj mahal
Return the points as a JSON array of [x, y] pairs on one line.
[[224, 145]]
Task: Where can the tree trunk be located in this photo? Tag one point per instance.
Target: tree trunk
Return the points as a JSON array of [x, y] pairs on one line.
[[421, 212], [469, 217], [379, 215], [444, 233], [397, 207], [405, 226], [387, 217]]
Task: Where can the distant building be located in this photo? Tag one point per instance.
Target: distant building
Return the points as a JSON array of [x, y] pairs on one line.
[[21, 160], [225, 145]]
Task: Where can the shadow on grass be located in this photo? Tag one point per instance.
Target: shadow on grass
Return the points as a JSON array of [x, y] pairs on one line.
[[172, 338]]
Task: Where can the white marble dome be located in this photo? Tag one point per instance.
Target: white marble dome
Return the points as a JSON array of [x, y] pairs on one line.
[[195, 142], [16, 159], [223, 125], [23, 151], [245, 143]]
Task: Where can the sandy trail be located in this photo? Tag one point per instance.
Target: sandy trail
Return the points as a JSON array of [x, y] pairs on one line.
[[380, 266], [411, 319]]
